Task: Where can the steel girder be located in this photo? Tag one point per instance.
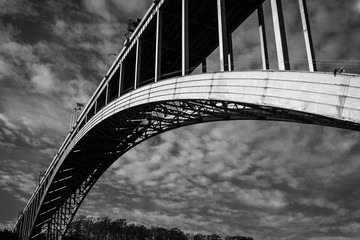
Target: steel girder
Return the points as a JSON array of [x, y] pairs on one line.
[[116, 135]]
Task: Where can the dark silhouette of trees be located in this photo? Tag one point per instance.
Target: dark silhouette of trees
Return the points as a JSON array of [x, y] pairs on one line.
[[83, 228], [8, 235]]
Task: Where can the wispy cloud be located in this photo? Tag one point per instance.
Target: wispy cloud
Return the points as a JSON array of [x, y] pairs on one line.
[[18, 183], [212, 170]]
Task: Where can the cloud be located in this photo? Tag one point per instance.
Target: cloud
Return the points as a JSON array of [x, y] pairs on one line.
[[16, 7], [43, 79], [333, 238], [211, 170], [6, 122], [5, 69], [135, 8], [323, 203], [352, 228], [18, 183]]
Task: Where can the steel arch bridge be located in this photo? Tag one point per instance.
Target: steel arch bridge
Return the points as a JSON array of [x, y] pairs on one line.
[[151, 88]]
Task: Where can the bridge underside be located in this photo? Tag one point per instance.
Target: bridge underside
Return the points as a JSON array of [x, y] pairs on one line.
[[116, 135], [178, 102]]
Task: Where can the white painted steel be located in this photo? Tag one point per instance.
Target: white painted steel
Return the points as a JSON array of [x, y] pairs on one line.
[[223, 36], [316, 93], [262, 34], [307, 36], [280, 35], [158, 45], [184, 37]]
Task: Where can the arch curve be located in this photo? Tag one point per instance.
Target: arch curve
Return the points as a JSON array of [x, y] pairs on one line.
[[311, 98]]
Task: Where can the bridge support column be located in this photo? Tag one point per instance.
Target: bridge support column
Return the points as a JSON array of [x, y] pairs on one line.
[[137, 63], [307, 36], [223, 36], [263, 42], [158, 45], [185, 36], [280, 36]]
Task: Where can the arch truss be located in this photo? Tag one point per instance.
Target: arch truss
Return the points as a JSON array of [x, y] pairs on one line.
[[116, 135]]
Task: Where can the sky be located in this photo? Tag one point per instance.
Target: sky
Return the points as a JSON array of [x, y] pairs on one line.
[[268, 180]]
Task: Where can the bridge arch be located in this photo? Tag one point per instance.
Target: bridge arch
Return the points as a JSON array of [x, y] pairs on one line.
[[304, 97], [134, 101]]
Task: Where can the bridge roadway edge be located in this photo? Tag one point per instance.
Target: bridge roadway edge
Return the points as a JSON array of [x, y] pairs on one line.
[[309, 92], [313, 93]]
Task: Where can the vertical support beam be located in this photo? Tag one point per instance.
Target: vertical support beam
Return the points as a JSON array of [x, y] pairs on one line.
[[158, 45], [204, 65], [48, 231], [22, 233], [230, 53], [223, 36], [137, 63], [185, 37], [27, 225], [307, 36], [263, 42], [71, 120], [33, 212], [20, 226], [121, 78], [107, 89], [280, 36]]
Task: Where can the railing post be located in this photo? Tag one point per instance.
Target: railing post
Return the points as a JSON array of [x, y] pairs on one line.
[[204, 65], [307, 36], [223, 36], [230, 53], [280, 36], [121, 77], [137, 63], [158, 45], [107, 89], [263, 42], [185, 37]]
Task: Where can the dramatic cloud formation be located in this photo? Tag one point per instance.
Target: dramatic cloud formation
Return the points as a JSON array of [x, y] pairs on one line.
[[279, 178], [268, 180]]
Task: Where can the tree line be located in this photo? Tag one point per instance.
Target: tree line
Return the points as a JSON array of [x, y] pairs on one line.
[[86, 228], [83, 228]]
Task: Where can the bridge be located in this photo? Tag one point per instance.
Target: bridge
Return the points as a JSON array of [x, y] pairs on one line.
[[152, 87]]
